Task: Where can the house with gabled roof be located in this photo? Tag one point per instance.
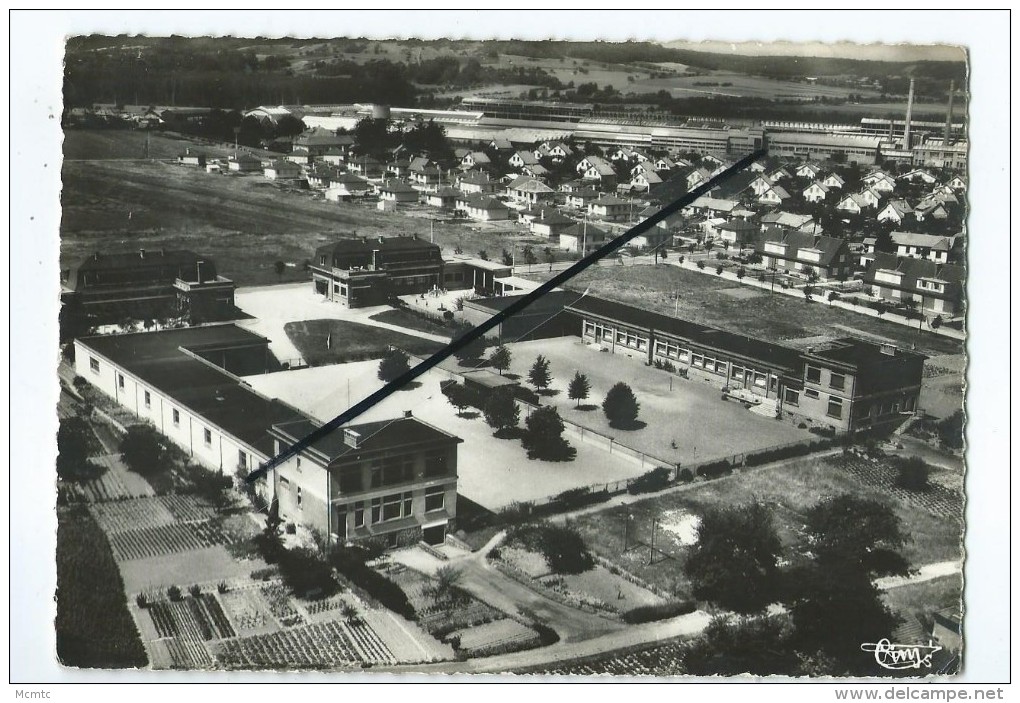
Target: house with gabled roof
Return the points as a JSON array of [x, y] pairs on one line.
[[345, 186], [932, 247], [529, 190], [738, 232], [759, 184], [922, 175], [871, 197], [774, 195], [397, 192], [833, 180], [443, 197], [645, 180], [957, 183], [787, 250], [895, 210], [778, 174], [709, 206], [523, 158], [475, 159], [581, 197], [560, 151], [809, 170], [549, 223], [500, 144], [934, 287], [853, 204], [282, 170], [930, 207], [244, 163], [698, 176], [664, 164], [483, 208], [788, 220], [367, 167], [816, 192], [583, 238], [880, 181], [317, 141], [535, 171]]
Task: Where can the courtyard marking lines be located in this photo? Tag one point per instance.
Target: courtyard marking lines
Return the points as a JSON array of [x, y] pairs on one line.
[[501, 316]]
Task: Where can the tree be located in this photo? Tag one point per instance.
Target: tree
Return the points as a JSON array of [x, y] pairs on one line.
[[76, 442], [543, 436], [735, 562], [394, 365], [731, 646], [501, 412], [550, 256], [500, 359], [279, 267], [621, 406], [446, 586], [856, 533], [951, 430], [884, 241], [579, 388], [473, 350], [529, 255], [912, 473], [483, 255], [539, 376], [507, 257], [458, 396], [372, 136], [145, 451]]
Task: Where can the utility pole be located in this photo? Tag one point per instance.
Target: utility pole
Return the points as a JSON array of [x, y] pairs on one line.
[[651, 546]]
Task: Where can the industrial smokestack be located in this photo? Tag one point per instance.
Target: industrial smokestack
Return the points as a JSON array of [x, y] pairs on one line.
[[949, 115], [910, 108], [198, 270]]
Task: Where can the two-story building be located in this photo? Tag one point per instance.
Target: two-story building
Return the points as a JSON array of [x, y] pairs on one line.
[[787, 250], [530, 191], [933, 287], [610, 209], [365, 272]]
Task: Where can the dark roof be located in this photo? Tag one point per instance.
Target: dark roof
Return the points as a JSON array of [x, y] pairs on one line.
[[858, 352], [829, 247], [366, 246], [552, 301], [738, 226], [389, 435], [581, 230], [670, 189], [733, 186], [748, 347], [156, 358], [550, 216], [128, 260], [952, 275]]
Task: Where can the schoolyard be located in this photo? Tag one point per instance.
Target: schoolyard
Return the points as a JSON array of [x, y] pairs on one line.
[[685, 423]]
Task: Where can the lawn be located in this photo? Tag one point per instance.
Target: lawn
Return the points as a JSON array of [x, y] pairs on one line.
[[350, 341], [93, 626], [403, 318], [776, 318], [790, 488]]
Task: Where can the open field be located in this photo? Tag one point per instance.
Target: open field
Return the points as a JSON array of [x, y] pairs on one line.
[[245, 223], [922, 599], [776, 318], [687, 421], [100, 144], [744, 86], [790, 488]]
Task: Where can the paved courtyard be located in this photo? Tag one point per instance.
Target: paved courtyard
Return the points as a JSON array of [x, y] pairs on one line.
[[493, 472], [690, 415]]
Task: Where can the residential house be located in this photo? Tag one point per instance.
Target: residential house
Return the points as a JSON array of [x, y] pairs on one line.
[[191, 158], [443, 198], [933, 287], [930, 207], [816, 192], [317, 141], [361, 272], [321, 176], [833, 180], [739, 233], [501, 145], [932, 247], [610, 208], [428, 178], [476, 182], [560, 151], [713, 161], [550, 223], [880, 182], [646, 166], [665, 164], [397, 192], [535, 171], [282, 170], [957, 183], [871, 197], [583, 238], [476, 159], [597, 170], [523, 158], [809, 170], [775, 195], [853, 204], [530, 191], [788, 220], [645, 180], [345, 186], [696, 177], [707, 206], [401, 168], [335, 156], [895, 211], [483, 207], [300, 158], [778, 174], [760, 184], [918, 175], [367, 167], [580, 198], [786, 250], [244, 163]]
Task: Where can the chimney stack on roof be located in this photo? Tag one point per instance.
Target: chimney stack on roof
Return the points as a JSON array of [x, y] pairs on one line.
[[198, 271], [352, 438], [141, 253], [408, 413]]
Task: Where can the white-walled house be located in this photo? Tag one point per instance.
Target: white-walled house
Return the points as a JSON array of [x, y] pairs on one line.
[[816, 192]]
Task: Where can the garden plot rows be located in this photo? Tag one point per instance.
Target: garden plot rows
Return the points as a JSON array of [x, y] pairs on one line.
[[278, 600], [440, 617], [937, 500], [192, 618], [321, 646], [107, 487], [503, 634], [132, 515], [666, 660], [168, 539], [247, 610]]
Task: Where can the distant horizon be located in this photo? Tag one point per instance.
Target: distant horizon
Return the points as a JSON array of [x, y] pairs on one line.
[[839, 50]]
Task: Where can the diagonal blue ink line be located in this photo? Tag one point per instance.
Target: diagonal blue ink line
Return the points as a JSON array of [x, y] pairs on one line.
[[501, 316]]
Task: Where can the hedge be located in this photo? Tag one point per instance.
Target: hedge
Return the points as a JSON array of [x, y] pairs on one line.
[[715, 469], [651, 613], [351, 566], [654, 480]]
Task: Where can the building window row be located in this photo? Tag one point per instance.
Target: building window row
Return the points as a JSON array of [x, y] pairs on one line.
[[391, 507]]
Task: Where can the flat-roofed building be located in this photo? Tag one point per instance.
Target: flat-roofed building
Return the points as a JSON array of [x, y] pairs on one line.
[[365, 272]]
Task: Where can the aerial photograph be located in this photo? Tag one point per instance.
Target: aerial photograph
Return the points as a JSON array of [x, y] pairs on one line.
[[729, 443]]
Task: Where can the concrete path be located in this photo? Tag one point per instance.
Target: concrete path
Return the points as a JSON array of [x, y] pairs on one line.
[[928, 572]]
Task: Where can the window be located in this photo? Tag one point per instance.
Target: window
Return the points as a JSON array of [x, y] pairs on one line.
[[759, 380], [359, 514], [376, 473], [350, 480], [207, 435], [148, 399], [814, 374], [835, 408], [391, 507], [242, 458], [299, 464], [811, 393], [176, 415], [408, 504], [436, 463], [791, 397], [837, 380], [120, 380], [299, 498], [94, 364], [376, 510], [435, 498]]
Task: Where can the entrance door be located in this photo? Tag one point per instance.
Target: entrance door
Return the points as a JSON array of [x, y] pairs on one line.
[[434, 535]]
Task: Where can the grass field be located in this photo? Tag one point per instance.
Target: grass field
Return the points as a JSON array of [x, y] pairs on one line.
[[791, 489], [245, 223], [922, 599], [777, 318], [402, 318], [350, 341], [94, 627]]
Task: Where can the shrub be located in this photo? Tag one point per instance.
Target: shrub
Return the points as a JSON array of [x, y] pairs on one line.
[[350, 562], [701, 265], [174, 593], [563, 547], [305, 572], [543, 436], [823, 431], [222, 587], [195, 590], [912, 473], [686, 475], [290, 529], [714, 469], [654, 480], [141, 601], [546, 635], [651, 613]]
